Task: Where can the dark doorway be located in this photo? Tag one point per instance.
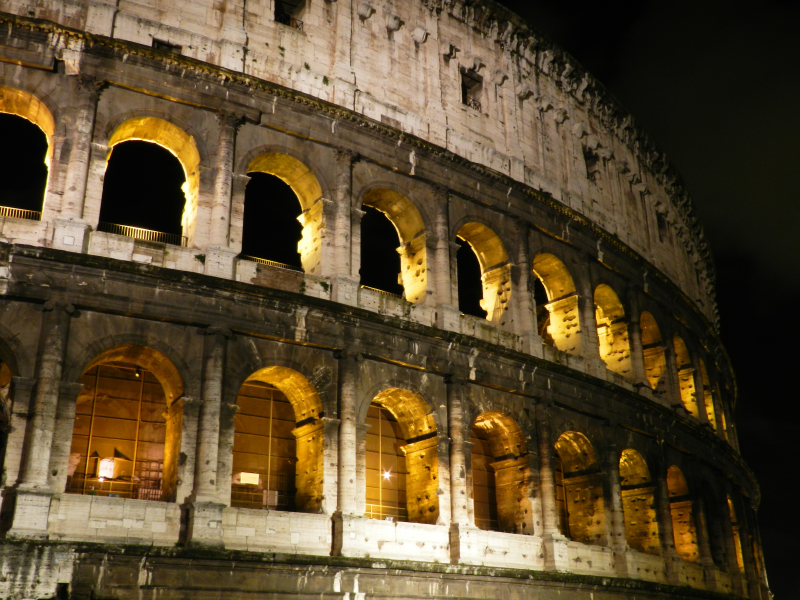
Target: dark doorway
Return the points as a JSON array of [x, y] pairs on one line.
[[23, 172], [271, 229], [470, 286], [380, 262]]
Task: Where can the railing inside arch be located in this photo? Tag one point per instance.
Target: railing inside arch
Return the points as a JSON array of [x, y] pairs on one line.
[[286, 19], [271, 263], [383, 292], [20, 213], [138, 233], [386, 513]]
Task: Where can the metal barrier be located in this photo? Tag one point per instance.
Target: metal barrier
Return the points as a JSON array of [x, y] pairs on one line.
[[138, 233], [271, 263], [20, 213], [385, 293], [386, 513]]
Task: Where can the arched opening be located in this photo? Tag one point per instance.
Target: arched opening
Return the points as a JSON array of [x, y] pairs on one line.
[[5, 412], [681, 507], [638, 503], [128, 419], [380, 261], [723, 421], [712, 514], [708, 395], [612, 331], [563, 325], [582, 483], [494, 267], [24, 165], [410, 229], [278, 443], [500, 475], [470, 292], [655, 361], [402, 464], [150, 190], [542, 313], [685, 376], [275, 227], [737, 535]]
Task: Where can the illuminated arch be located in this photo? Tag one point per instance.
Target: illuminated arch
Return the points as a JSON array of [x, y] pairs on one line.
[[500, 474], [495, 268], [307, 188], [129, 417], [564, 326], [685, 376], [655, 361], [581, 504], [418, 445], [178, 143], [638, 503], [708, 395], [279, 441], [681, 507], [410, 227], [612, 331]]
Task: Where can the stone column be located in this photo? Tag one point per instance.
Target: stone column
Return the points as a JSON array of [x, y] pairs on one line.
[[345, 233], [62, 435], [617, 536], [699, 393], [32, 499], [205, 510], [701, 528], [20, 394], [589, 338], [732, 565], [637, 354], [547, 479], [673, 382], [447, 314], [664, 514], [227, 432], [348, 434], [70, 228], [459, 514], [526, 307]]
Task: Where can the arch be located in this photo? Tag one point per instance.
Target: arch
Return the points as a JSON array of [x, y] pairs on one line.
[[612, 331], [685, 376], [579, 473], [638, 503], [708, 395], [178, 143], [655, 360], [18, 102], [681, 507], [306, 186], [279, 411], [737, 534], [495, 268], [408, 222], [500, 474], [416, 439], [128, 423], [562, 302]]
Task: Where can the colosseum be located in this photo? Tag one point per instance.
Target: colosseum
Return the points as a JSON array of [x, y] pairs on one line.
[[188, 414]]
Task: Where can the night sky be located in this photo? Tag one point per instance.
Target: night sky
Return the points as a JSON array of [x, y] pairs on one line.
[[718, 90]]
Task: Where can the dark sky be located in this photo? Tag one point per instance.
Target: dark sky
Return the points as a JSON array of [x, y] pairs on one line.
[[718, 89]]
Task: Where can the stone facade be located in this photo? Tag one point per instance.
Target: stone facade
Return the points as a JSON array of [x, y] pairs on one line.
[[581, 447]]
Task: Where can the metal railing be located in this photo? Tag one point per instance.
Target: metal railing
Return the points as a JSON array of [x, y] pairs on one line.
[[271, 263], [138, 233], [384, 292], [20, 213], [384, 512], [474, 104], [287, 19]]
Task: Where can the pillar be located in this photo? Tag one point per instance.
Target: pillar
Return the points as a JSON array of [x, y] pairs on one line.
[[70, 228], [523, 294], [699, 393], [590, 340], [205, 508], [21, 393], [459, 514], [664, 514], [62, 435], [447, 314], [547, 479], [617, 537], [32, 498], [345, 234], [673, 382], [348, 434], [637, 354]]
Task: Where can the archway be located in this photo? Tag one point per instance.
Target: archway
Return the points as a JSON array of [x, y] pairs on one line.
[[402, 464], [708, 395], [655, 361], [265, 198], [581, 479], [495, 269], [685, 376], [25, 165], [278, 445], [612, 331], [562, 303], [681, 507], [500, 475], [737, 535], [638, 503], [410, 228], [180, 145], [127, 432]]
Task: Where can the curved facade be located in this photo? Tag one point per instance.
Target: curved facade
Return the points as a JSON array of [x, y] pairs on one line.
[[185, 420]]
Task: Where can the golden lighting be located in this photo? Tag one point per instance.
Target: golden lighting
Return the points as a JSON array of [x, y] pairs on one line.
[[387, 475]]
